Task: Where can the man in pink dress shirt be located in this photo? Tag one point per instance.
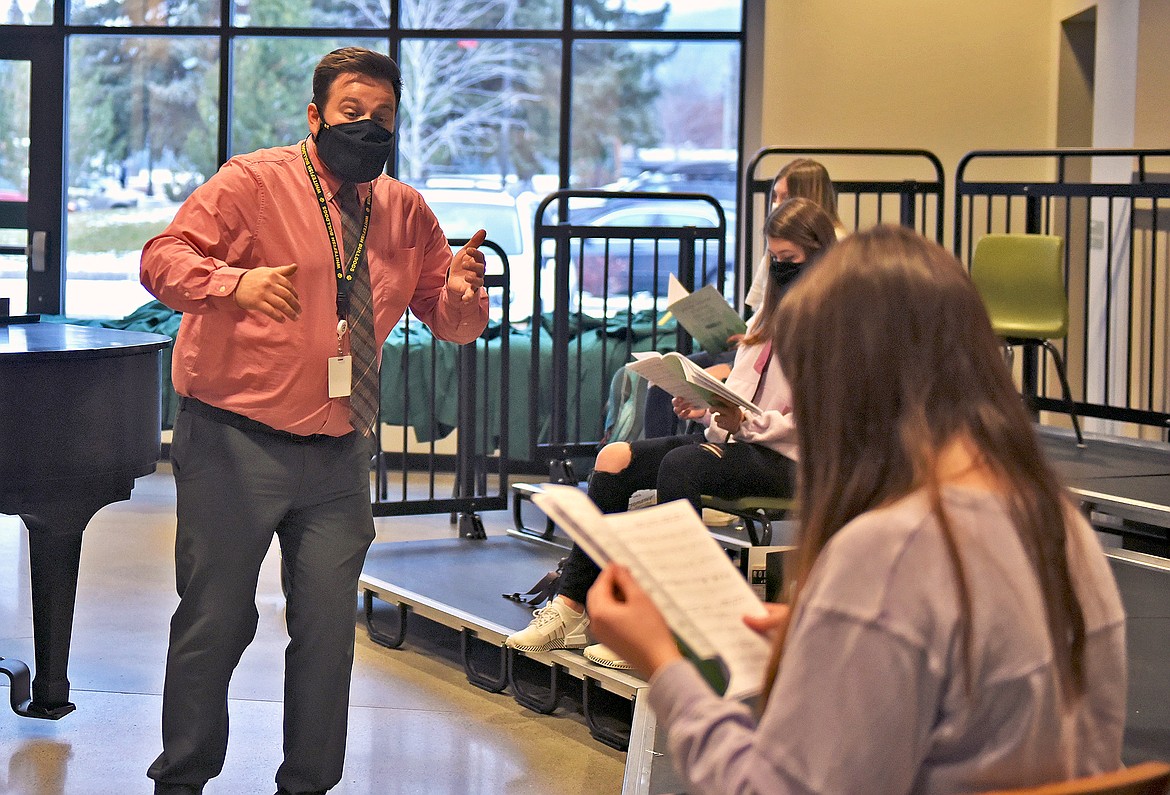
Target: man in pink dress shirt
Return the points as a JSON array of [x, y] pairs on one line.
[[264, 442]]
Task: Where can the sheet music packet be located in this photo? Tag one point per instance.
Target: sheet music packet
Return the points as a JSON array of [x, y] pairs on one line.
[[681, 377], [705, 314], [691, 580]]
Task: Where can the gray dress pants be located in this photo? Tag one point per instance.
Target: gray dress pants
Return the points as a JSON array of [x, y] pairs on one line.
[[235, 489]]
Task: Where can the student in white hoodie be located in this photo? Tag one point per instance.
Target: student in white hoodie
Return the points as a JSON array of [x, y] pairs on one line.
[[738, 455], [802, 178]]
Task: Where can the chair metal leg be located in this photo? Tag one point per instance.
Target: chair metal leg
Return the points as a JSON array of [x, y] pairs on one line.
[[1058, 360], [749, 524]]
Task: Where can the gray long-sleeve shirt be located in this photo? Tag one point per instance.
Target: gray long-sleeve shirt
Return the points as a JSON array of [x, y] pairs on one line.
[[872, 695]]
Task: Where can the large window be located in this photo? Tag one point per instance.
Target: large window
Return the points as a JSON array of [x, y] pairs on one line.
[[15, 80], [143, 115], [503, 97]]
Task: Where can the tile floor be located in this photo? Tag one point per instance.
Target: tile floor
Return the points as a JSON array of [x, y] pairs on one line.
[[416, 725]]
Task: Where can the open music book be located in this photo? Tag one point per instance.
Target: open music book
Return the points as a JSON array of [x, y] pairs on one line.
[[691, 580], [705, 314], [682, 378]]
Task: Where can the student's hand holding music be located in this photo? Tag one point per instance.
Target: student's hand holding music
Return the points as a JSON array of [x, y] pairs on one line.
[[466, 274], [685, 409], [774, 624], [727, 416], [622, 617], [269, 291]]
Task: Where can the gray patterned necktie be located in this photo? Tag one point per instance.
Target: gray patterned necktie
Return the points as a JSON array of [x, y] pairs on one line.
[[364, 389]]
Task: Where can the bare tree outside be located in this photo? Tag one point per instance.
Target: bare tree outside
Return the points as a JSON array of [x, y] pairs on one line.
[[460, 100]]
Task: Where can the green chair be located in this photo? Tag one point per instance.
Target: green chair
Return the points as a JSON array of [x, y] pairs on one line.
[[757, 513], [1021, 281]]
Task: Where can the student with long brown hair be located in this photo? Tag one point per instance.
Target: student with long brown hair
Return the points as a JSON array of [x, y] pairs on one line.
[[955, 625]]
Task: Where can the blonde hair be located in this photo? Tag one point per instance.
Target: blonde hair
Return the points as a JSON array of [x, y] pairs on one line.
[[808, 179]]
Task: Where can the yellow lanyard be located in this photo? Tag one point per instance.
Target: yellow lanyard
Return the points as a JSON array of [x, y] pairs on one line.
[[344, 271]]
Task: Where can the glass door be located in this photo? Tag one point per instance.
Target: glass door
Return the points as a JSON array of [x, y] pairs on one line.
[[30, 173], [15, 81]]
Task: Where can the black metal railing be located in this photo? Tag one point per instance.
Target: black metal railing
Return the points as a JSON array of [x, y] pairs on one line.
[[905, 186], [610, 256], [431, 388], [1111, 208]]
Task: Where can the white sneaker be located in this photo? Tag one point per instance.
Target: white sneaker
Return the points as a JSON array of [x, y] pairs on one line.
[[603, 655], [555, 626], [714, 518]]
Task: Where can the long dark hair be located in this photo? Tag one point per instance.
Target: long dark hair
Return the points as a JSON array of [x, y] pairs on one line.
[[891, 356], [804, 223]]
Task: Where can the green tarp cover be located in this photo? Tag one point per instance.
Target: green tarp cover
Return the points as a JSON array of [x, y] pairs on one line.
[[411, 374]]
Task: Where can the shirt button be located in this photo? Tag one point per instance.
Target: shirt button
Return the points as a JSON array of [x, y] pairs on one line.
[[186, 293], [222, 288]]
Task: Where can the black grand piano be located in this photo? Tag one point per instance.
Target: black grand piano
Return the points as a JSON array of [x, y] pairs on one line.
[[79, 421]]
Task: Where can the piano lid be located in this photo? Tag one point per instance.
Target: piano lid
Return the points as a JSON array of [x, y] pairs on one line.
[[45, 341], [79, 408]]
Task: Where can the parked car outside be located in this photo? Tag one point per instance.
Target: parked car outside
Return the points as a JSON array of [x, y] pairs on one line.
[[10, 193], [610, 274], [508, 221], [104, 194], [716, 178]]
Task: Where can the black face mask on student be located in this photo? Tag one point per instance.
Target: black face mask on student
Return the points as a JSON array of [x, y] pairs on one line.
[[356, 151], [784, 271]]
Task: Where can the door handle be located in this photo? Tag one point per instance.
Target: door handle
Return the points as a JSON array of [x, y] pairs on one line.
[[36, 252]]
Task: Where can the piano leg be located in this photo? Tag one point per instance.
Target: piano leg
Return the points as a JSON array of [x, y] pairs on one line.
[[54, 534]]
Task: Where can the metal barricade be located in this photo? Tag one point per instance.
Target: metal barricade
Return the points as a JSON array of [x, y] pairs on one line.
[[873, 186], [1110, 207], [418, 460], [609, 255]]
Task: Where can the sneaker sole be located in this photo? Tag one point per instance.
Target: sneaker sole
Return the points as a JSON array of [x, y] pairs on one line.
[[547, 647], [622, 666]]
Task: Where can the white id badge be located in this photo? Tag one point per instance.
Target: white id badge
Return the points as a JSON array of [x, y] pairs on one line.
[[340, 373]]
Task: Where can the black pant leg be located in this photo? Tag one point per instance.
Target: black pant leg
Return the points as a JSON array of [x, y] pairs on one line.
[[730, 471], [611, 491]]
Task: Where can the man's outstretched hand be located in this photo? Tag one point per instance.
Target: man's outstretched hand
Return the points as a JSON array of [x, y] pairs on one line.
[[466, 276]]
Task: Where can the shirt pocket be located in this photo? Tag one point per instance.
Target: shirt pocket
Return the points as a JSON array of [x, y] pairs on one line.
[[394, 278]]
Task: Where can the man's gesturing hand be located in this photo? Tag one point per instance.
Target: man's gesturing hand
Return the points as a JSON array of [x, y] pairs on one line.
[[466, 276], [270, 291]]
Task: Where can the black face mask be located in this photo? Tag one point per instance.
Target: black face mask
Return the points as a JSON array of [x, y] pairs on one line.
[[356, 151], [784, 271]]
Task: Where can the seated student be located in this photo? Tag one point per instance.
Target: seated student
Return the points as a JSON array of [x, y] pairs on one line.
[[955, 625], [801, 178], [807, 179], [759, 462]]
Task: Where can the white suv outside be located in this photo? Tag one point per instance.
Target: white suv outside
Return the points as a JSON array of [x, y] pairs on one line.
[[508, 221]]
